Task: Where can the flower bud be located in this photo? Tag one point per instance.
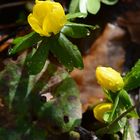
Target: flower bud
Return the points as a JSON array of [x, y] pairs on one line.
[[100, 109], [109, 79], [48, 17]]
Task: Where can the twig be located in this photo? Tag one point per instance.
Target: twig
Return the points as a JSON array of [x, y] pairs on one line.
[[89, 135], [13, 34], [7, 38], [13, 4], [12, 25]]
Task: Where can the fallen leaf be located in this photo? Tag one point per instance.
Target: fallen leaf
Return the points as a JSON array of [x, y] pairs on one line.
[[131, 21], [62, 113]]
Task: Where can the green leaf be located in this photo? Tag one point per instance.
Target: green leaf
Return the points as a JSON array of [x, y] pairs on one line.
[[117, 126], [66, 52], [83, 6], [35, 133], [74, 6], [106, 116], [9, 134], [115, 105], [93, 6], [126, 101], [16, 88], [25, 42], [8, 88], [37, 61], [109, 2], [132, 78], [76, 15], [63, 113], [75, 31], [109, 128]]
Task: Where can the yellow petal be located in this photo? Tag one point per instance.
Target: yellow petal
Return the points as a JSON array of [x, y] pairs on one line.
[[40, 11], [59, 15], [55, 20], [35, 25], [50, 25], [100, 109], [109, 78], [47, 27]]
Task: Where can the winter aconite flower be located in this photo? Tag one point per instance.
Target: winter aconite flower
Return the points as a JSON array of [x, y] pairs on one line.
[[48, 17], [109, 78], [100, 109]]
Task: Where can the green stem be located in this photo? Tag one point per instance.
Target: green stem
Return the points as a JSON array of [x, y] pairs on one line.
[[114, 107]]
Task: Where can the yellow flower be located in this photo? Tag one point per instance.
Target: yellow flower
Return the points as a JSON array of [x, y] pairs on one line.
[[100, 109], [109, 78], [47, 17]]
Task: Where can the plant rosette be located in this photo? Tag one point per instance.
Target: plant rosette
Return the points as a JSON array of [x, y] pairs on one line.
[[51, 28]]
